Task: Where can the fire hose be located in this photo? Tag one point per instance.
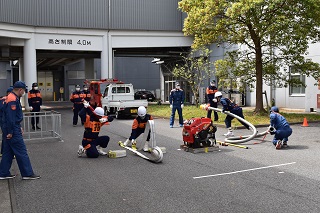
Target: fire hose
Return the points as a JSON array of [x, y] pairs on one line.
[[239, 139]]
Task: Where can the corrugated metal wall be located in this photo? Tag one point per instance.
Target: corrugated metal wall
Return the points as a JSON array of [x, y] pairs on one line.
[[56, 13], [145, 14], [124, 14]]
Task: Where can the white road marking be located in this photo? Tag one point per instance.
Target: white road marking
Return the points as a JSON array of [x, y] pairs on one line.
[[246, 170]]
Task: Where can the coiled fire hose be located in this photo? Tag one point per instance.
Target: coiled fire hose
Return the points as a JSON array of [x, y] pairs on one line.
[[238, 139]]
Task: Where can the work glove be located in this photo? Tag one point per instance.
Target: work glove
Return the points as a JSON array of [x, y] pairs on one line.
[[103, 120], [86, 104], [31, 108], [182, 105], [110, 118], [214, 100], [171, 106]]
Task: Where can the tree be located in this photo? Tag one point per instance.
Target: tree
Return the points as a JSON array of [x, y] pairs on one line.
[[272, 35], [194, 68]]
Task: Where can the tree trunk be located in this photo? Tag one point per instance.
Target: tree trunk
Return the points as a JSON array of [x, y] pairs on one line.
[[259, 82]]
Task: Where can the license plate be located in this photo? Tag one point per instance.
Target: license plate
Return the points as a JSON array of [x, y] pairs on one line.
[[133, 111]]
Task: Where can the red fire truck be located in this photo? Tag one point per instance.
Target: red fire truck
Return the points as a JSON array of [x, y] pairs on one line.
[[97, 88]]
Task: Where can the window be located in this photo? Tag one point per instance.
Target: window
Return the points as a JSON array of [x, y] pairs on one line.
[[297, 90], [120, 90], [76, 74], [3, 74]]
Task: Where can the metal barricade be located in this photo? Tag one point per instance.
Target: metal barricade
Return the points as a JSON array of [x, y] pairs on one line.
[[49, 124]]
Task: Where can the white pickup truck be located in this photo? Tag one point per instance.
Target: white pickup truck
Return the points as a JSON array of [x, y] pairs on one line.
[[118, 99]]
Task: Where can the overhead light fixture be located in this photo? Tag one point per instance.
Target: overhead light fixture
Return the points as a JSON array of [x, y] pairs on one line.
[[159, 62], [155, 60]]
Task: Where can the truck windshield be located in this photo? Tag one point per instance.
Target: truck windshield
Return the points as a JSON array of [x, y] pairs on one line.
[[120, 90], [103, 86]]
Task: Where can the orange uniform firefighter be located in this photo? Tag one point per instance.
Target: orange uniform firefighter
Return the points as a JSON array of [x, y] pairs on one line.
[[211, 90], [138, 127], [35, 102], [77, 98], [92, 143]]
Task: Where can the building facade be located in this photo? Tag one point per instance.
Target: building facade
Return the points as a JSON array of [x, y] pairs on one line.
[[61, 43]]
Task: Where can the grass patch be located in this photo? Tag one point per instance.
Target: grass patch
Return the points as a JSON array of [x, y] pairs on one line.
[[190, 111]]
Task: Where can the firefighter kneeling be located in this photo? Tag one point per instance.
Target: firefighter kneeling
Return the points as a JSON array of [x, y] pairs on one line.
[[92, 144]]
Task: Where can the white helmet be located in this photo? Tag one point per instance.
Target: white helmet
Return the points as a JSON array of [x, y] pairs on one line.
[[99, 111], [142, 111], [218, 94]]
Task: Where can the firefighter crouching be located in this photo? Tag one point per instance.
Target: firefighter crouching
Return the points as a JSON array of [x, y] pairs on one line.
[[138, 127], [77, 99], [35, 102], [92, 143]]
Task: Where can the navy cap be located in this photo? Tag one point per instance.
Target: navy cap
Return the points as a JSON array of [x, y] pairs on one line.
[[274, 109], [20, 84], [10, 89]]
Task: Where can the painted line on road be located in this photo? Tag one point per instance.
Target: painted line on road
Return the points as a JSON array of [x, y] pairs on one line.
[[246, 170]]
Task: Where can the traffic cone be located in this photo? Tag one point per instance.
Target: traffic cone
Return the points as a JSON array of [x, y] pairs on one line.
[[305, 123]]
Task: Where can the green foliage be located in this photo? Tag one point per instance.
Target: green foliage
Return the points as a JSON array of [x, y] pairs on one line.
[[194, 68], [272, 35]]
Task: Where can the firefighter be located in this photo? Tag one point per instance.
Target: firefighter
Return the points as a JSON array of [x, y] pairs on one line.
[[228, 105], [35, 102], [176, 100], [86, 93], [92, 143], [211, 90], [14, 144], [77, 99], [138, 127], [279, 127], [2, 102]]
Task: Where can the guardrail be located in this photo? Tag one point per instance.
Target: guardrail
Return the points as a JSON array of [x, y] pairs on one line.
[[49, 124]]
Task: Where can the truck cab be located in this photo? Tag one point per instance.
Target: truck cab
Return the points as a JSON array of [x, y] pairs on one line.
[[119, 99]]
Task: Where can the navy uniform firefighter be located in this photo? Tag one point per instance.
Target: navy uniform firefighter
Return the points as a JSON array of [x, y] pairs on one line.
[[176, 100], [14, 144], [279, 127], [92, 143], [211, 90], [228, 105], [138, 127], [77, 99], [35, 102], [2, 102]]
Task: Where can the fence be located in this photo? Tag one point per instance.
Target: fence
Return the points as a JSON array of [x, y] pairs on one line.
[[49, 124]]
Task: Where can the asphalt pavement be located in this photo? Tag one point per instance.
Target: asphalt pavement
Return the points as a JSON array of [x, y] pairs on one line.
[[258, 179]]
